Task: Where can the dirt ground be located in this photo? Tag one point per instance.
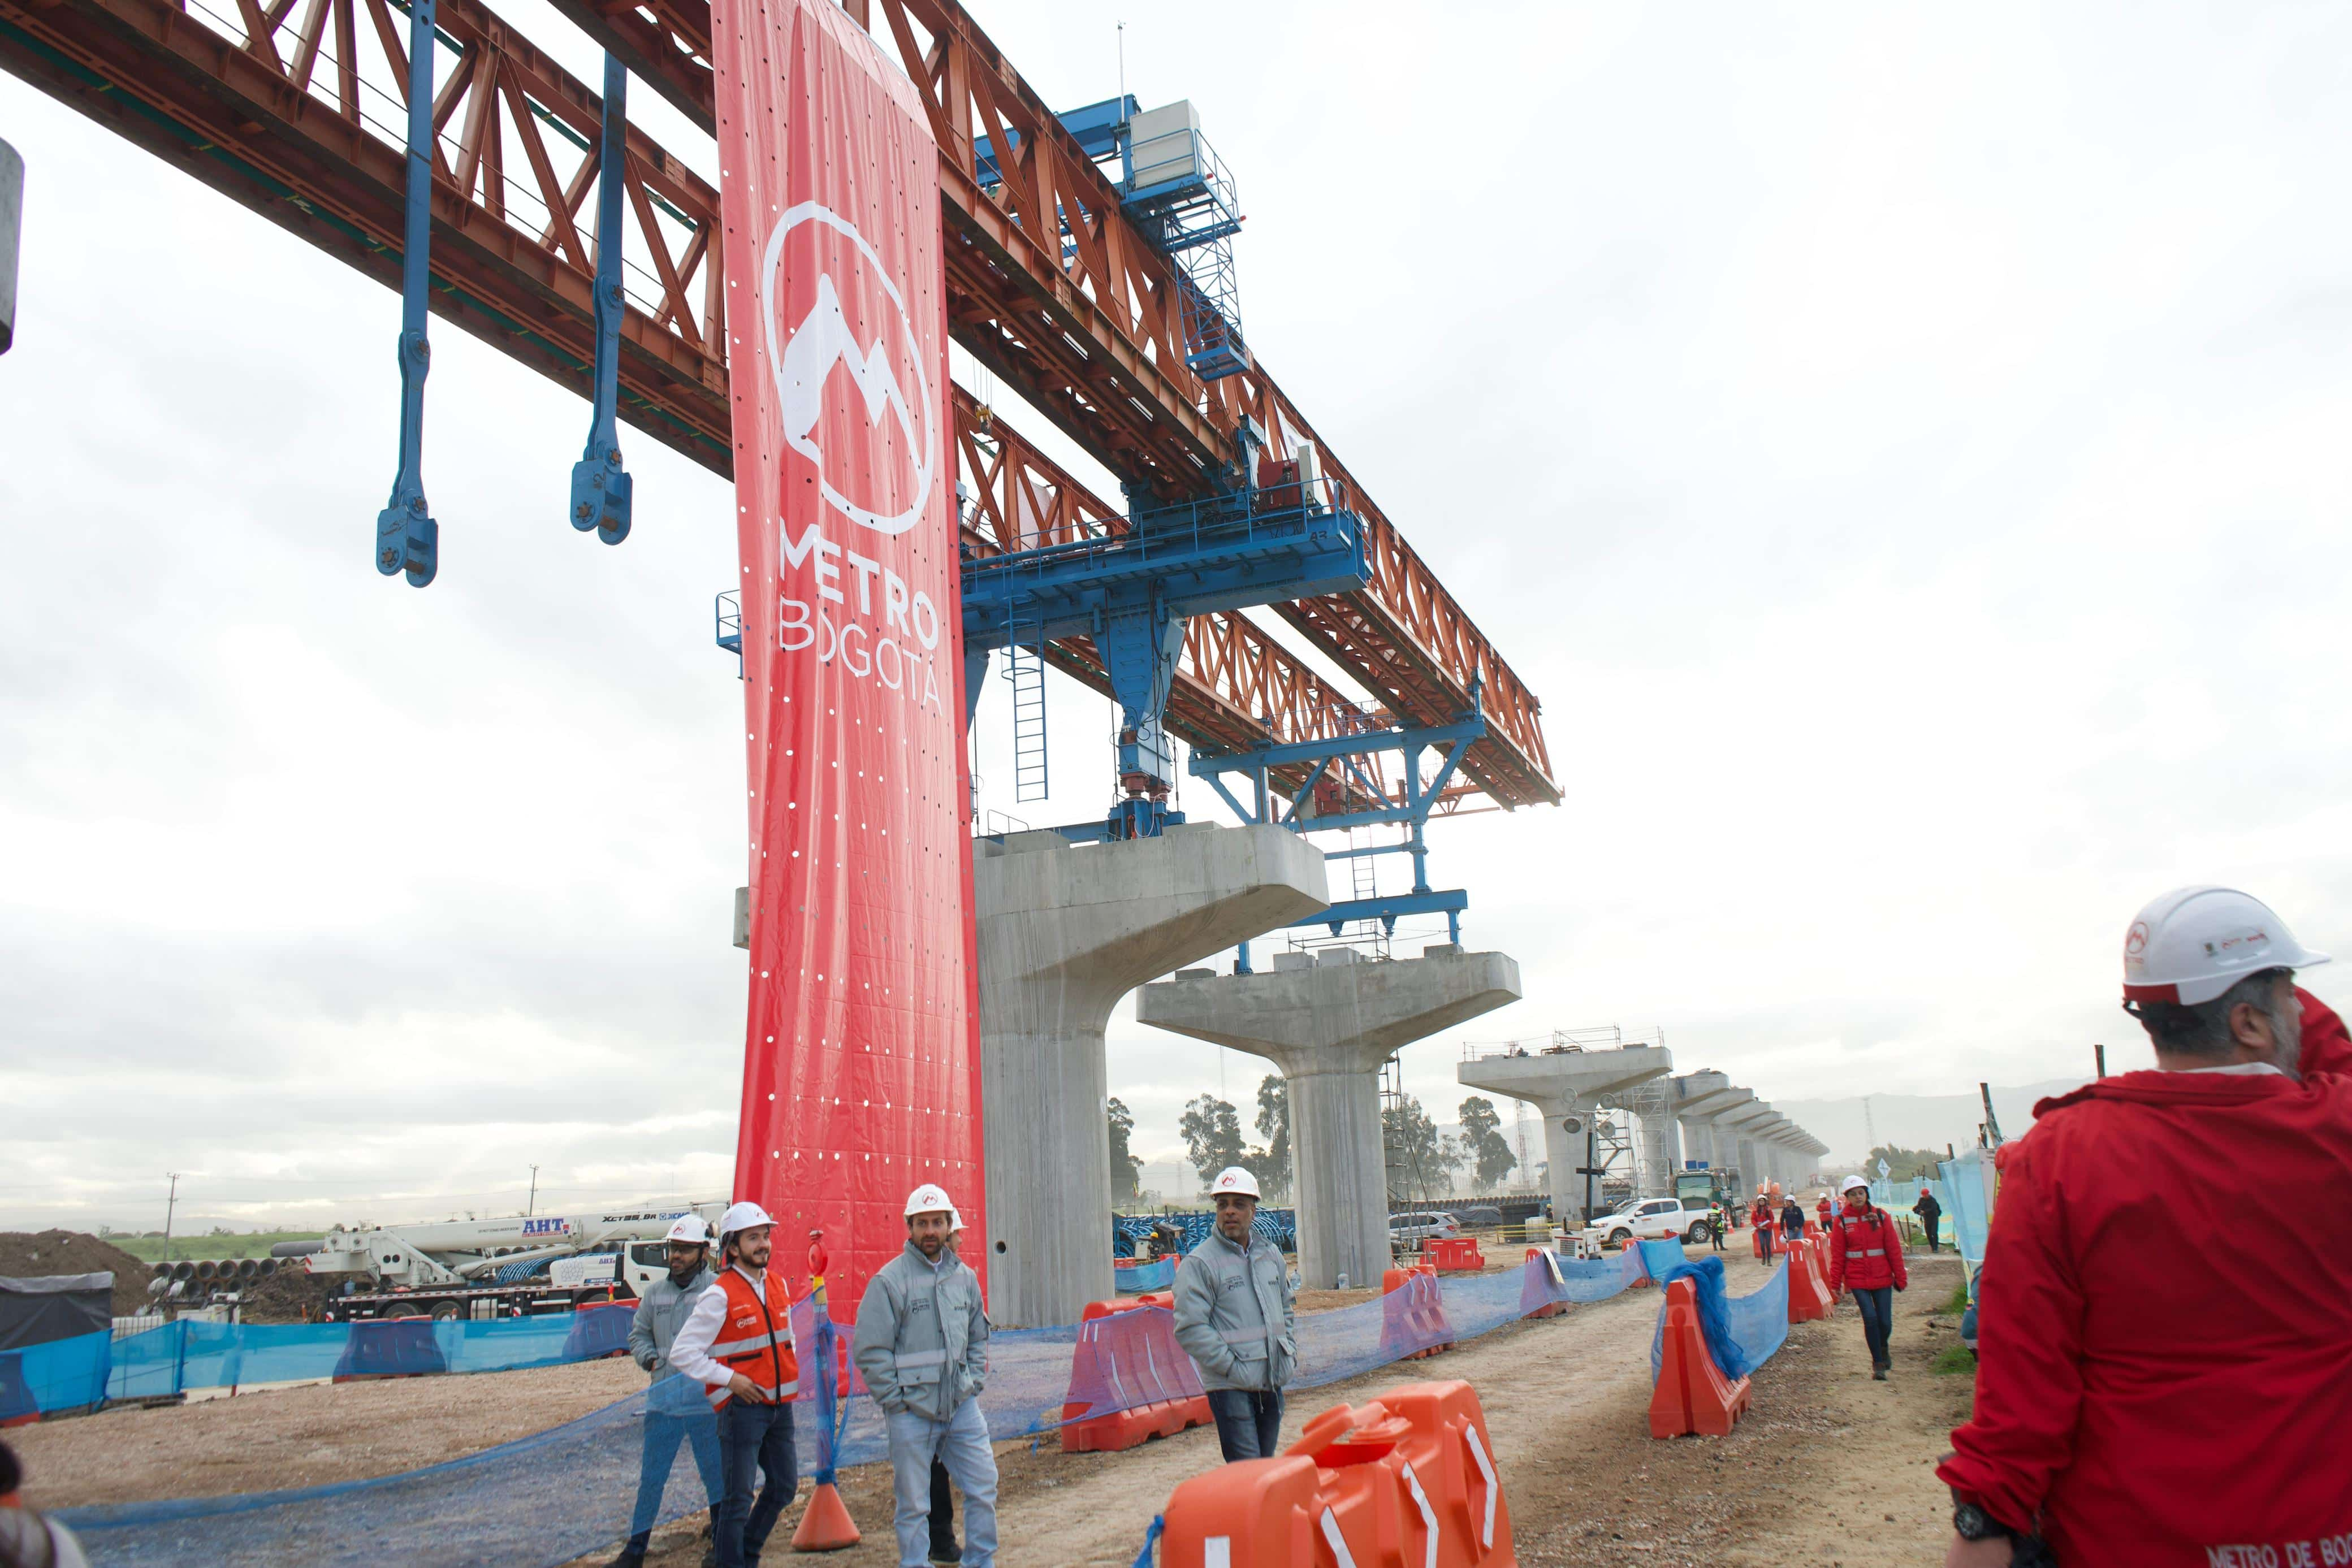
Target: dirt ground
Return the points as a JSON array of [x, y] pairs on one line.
[[1828, 1467], [30, 1254]]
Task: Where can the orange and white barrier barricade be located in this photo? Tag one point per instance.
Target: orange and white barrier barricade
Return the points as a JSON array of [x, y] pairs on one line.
[[1405, 1480], [1692, 1394], [1413, 1314], [1453, 1254], [1539, 1293], [1808, 1287], [1126, 1366]]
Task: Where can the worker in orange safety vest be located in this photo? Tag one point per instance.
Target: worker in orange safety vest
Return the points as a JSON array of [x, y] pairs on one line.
[[738, 1343]]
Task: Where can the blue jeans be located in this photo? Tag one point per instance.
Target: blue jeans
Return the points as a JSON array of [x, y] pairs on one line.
[[1877, 1309], [753, 1440], [959, 1443], [1249, 1422], [673, 1411]]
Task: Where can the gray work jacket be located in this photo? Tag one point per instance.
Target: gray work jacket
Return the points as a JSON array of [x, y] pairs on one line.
[[923, 1335], [661, 1312], [1236, 1315]]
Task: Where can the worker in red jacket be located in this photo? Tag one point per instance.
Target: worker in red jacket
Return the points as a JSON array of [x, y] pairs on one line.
[[2165, 1312], [1823, 1210], [1866, 1257], [2327, 1045]]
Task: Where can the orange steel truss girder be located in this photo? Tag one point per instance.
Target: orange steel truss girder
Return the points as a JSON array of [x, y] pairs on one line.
[[1019, 297], [273, 111]]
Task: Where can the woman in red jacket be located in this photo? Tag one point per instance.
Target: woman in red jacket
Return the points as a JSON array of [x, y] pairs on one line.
[[1866, 1257]]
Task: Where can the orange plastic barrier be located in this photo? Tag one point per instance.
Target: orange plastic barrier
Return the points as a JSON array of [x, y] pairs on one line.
[[1406, 1480], [1127, 1357], [1453, 1254], [1809, 1288], [1536, 1298], [1413, 1314], [1692, 1393]]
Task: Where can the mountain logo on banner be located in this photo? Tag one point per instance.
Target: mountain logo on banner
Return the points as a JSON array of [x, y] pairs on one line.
[[850, 380]]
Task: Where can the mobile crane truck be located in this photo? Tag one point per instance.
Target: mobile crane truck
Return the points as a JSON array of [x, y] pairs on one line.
[[493, 1268]]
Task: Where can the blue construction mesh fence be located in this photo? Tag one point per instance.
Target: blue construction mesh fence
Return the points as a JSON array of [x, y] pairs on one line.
[[570, 1490], [61, 1375], [1145, 1277], [1742, 1331], [188, 1355], [1129, 1231]]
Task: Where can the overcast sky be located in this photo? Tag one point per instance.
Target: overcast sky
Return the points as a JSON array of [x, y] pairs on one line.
[[1904, 448]]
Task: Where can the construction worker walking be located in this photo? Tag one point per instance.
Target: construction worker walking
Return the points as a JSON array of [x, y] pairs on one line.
[[2139, 1400], [1866, 1257], [738, 1344], [1236, 1317], [1930, 1213], [922, 1348], [676, 1410]]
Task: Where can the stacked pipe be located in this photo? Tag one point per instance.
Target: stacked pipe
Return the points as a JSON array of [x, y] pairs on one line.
[[198, 1280]]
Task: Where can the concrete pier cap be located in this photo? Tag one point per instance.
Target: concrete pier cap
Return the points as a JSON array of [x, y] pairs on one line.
[[1328, 1021], [1565, 1084], [1066, 930]]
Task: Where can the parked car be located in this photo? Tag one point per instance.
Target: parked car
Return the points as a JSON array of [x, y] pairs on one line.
[[1651, 1219], [1410, 1230]]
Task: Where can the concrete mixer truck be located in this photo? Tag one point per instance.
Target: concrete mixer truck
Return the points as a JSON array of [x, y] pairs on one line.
[[492, 1268]]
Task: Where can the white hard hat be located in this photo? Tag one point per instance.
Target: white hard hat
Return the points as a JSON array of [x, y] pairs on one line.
[[689, 1228], [929, 1198], [742, 1216], [955, 1218], [1233, 1178], [1852, 1181], [2195, 942]]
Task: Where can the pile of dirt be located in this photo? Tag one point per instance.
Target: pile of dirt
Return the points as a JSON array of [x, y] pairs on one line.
[[288, 1296], [25, 1256]]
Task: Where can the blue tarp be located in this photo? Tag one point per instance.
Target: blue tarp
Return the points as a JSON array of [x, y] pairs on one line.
[[1742, 1331]]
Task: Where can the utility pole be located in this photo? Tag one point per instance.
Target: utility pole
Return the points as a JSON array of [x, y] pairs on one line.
[[170, 1204], [531, 1204], [1869, 1126]]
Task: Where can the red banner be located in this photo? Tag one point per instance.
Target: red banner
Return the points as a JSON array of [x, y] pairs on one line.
[[861, 1066]]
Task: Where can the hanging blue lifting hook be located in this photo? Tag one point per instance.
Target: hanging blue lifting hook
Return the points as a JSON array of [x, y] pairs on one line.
[[600, 490], [406, 536]]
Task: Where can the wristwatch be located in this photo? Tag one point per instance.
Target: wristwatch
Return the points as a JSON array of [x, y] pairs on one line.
[[1970, 1522]]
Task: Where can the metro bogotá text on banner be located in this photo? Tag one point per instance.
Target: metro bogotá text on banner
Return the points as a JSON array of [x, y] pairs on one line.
[[861, 1073]]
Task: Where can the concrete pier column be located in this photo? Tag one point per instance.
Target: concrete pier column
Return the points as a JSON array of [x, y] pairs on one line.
[[1329, 1022], [1065, 930], [1566, 1085], [1661, 1155]]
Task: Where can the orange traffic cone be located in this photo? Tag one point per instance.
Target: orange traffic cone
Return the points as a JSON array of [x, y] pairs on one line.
[[825, 1524]]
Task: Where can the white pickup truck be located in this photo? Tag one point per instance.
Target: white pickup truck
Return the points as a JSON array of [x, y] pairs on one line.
[[1651, 1219]]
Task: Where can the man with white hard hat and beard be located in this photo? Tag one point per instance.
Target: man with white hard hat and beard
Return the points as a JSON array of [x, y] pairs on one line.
[[1236, 1317], [922, 1348], [2165, 1309], [738, 1344], [675, 1409]]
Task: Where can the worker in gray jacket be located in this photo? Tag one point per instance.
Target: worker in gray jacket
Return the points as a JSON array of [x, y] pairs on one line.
[[675, 1407], [1237, 1318], [922, 1348]]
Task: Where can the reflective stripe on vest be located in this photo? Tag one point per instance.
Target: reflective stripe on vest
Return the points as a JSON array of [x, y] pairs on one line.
[[759, 1342]]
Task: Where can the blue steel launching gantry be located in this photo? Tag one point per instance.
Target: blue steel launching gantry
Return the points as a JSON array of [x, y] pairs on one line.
[[1088, 267]]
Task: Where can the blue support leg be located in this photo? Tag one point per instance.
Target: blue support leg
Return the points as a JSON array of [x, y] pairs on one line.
[[406, 536], [600, 492]]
